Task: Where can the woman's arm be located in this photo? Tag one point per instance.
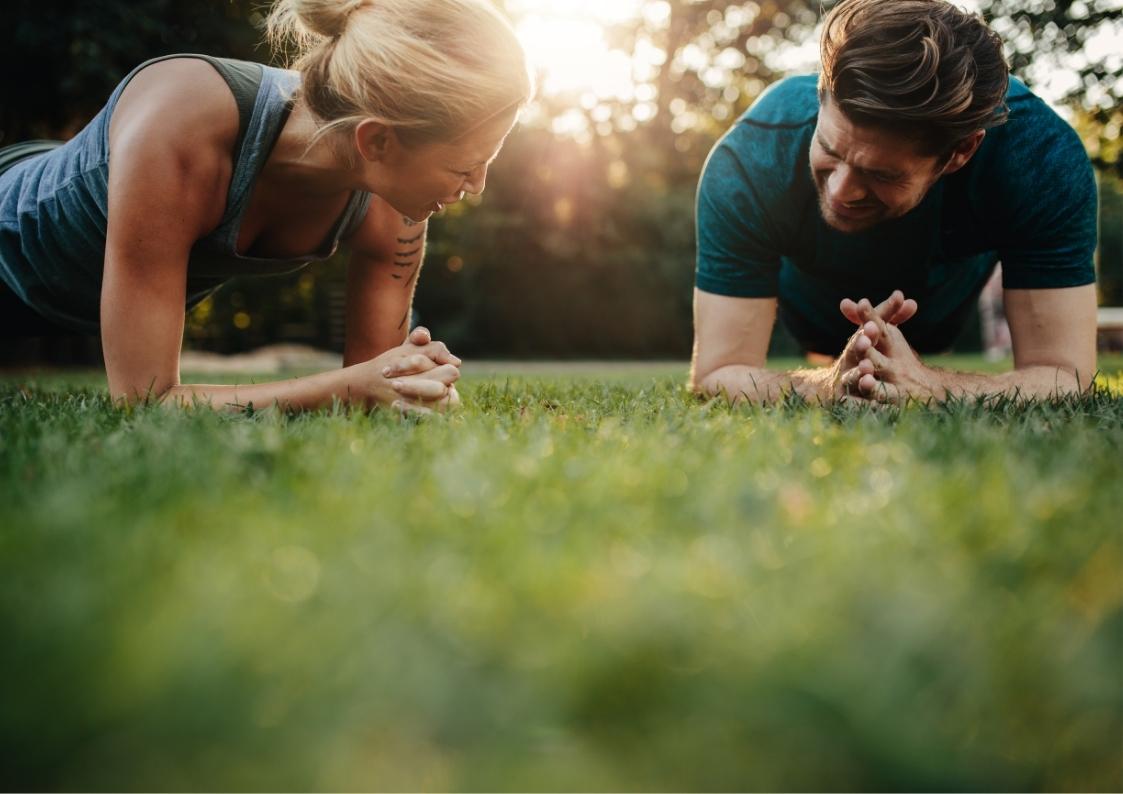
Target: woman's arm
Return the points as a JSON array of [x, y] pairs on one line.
[[386, 257], [170, 142]]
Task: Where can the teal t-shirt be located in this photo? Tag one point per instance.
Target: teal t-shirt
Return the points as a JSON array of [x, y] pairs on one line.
[[1027, 198]]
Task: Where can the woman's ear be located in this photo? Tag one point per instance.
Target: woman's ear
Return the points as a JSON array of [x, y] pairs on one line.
[[374, 140]]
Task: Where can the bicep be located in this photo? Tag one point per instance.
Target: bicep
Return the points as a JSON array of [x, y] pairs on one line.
[[1054, 327], [737, 243], [731, 331]]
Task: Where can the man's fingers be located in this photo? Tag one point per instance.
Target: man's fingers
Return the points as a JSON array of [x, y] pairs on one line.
[[888, 307], [849, 381], [850, 311], [871, 332], [879, 361], [850, 355], [895, 309], [879, 390], [905, 313]]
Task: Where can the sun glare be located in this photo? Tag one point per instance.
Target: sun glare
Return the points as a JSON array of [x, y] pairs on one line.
[[566, 41]]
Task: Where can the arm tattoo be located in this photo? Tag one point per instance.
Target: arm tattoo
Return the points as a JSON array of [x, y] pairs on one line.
[[406, 259]]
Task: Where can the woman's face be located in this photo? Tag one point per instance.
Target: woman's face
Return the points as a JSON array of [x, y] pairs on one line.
[[422, 179]]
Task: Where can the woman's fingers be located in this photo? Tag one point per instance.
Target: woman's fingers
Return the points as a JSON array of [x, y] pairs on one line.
[[406, 407], [420, 336], [421, 389], [409, 365], [446, 374], [440, 353], [432, 385]]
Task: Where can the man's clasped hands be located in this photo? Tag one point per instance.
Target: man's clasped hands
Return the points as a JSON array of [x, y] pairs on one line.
[[877, 364]]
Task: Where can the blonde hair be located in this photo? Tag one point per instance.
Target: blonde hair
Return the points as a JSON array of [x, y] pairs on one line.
[[431, 69]]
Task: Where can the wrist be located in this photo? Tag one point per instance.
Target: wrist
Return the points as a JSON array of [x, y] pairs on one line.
[[815, 385], [933, 382]]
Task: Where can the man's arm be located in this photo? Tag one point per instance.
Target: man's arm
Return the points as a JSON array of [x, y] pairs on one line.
[[731, 337], [1054, 337]]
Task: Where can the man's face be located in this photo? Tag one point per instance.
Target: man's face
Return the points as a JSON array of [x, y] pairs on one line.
[[865, 175]]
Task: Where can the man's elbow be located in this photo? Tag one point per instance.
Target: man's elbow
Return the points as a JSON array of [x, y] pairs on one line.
[[1060, 378], [702, 380]]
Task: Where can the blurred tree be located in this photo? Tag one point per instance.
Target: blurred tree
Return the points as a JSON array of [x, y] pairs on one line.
[[1075, 46], [62, 58]]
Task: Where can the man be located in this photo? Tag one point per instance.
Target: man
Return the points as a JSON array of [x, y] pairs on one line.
[[911, 167]]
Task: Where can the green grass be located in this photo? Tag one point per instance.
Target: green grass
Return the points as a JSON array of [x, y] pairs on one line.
[[596, 583]]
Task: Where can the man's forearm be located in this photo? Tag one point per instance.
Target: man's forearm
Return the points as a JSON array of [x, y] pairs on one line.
[[1036, 381], [740, 383]]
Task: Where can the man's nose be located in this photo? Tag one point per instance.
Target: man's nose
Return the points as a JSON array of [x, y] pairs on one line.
[[845, 186]]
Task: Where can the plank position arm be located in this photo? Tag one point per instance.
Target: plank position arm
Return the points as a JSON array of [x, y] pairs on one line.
[[166, 191], [1054, 339]]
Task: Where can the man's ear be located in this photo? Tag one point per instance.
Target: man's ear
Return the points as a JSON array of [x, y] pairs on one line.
[[963, 152], [374, 140]]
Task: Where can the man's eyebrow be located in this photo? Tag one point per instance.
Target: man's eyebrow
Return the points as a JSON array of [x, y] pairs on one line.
[[873, 171], [822, 142]]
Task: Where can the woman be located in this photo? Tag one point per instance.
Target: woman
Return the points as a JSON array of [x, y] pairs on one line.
[[222, 168]]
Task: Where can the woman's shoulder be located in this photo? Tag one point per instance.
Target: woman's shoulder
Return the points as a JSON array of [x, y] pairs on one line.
[[183, 102]]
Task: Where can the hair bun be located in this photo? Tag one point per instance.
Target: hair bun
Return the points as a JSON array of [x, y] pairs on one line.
[[308, 19]]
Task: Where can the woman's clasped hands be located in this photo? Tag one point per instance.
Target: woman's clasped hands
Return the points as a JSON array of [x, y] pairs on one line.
[[418, 376]]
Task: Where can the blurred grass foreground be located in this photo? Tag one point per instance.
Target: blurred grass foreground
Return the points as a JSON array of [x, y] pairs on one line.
[[579, 585]]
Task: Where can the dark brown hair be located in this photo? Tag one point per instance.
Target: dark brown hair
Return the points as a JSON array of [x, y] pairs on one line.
[[923, 67]]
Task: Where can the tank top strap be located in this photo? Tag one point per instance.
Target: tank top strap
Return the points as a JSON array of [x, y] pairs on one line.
[[271, 109], [263, 97], [244, 80]]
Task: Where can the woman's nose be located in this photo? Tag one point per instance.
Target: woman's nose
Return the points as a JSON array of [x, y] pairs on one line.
[[475, 184]]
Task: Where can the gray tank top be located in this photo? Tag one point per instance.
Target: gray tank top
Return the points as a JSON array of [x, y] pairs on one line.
[[54, 204]]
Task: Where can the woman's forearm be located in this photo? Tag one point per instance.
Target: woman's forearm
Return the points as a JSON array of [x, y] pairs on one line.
[[306, 393]]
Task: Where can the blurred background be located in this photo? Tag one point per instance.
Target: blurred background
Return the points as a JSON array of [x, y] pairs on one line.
[[582, 245]]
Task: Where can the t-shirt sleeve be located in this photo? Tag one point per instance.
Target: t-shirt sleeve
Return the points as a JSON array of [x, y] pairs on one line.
[[736, 255], [1049, 190]]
